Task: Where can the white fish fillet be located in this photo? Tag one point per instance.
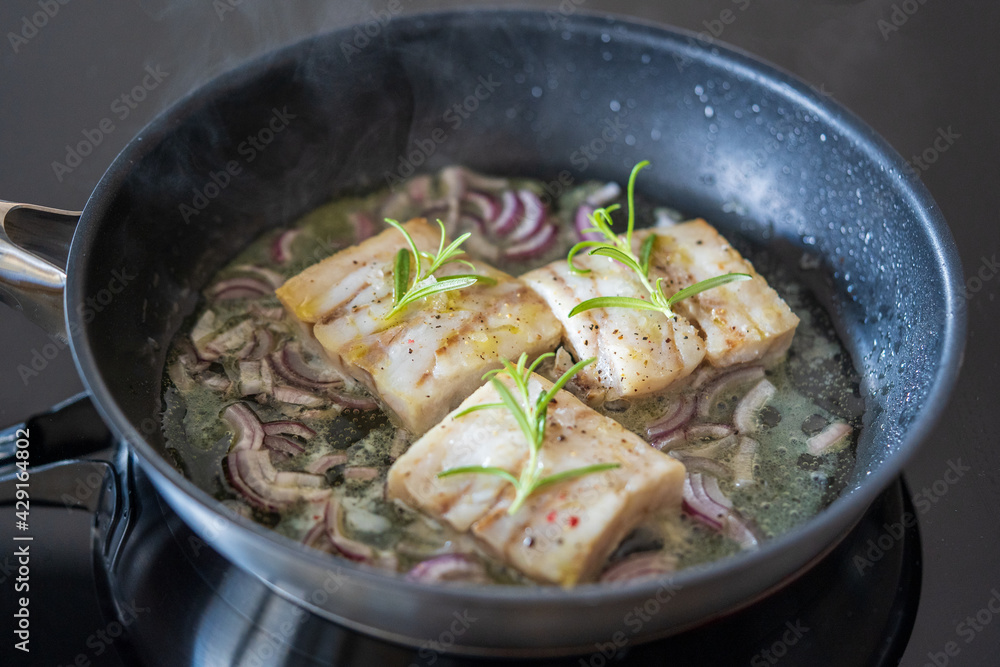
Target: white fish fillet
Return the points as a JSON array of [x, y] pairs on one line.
[[742, 321], [423, 362], [564, 533], [638, 351]]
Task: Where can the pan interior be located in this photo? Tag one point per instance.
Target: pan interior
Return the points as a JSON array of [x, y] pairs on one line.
[[511, 95]]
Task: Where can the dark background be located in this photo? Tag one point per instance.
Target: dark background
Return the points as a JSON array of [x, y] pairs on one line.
[[914, 70]]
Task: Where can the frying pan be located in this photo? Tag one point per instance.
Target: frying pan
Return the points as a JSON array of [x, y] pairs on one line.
[[565, 98]]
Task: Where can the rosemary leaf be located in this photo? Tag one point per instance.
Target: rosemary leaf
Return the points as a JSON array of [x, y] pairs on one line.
[[531, 417]]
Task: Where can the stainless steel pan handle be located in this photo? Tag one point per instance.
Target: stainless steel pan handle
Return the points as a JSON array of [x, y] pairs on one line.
[[34, 246]]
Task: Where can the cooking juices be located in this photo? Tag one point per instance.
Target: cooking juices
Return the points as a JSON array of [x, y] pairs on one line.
[[245, 370]]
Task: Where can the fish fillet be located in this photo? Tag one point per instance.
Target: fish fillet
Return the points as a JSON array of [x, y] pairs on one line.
[[743, 321], [427, 359], [565, 532], [638, 351]]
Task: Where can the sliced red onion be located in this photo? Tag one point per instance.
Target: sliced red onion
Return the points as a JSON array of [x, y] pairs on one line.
[[325, 462], [291, 366], [581, 221], [645, 565], [708, 432], [348, 548], [238, 288], [360, 472], [316, 536], [701, 464], [283, 427], [449, 568], [302, 479], [507, 219], [702, 376], [481, 247], [400, 443], [485, 207], [250, 380], [676, 417], [250, 472], [704, 500], [605, 194], [712, 490], [362, 224], [263, 342], [453, 182], [188, 357], [295, 396], [234, 338], [281, 247], [397, 205], [275, 313], [745, 414], [452, 212], [474, 181], [826, 439], [532, 216], [419, 188], [269, 276], [244, 352], [743, 461], [537, 245], [714, 449], [179, 375], [742, 531], [353, 401], [698, 504], [245, 424], [203, 332], [470, 221], [215, 382], [725, 382], [287, 446], [302, 369], [668, 441]]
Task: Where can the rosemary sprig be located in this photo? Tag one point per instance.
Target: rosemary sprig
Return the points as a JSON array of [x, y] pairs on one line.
[[424, 283], [531, 417], [620, 248]]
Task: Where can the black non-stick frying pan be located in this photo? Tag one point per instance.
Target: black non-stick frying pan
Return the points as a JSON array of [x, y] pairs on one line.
[[772, 162]]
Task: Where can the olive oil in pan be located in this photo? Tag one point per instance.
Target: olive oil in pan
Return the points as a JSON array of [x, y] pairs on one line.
[[815, 385]]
